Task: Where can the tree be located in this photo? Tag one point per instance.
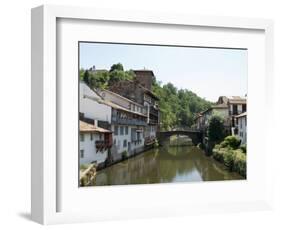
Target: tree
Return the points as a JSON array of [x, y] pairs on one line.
[[81, 73], [86, 77], [117, 66], [216, 129]]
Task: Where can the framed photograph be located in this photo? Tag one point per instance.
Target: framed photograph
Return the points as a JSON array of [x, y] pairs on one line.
[[140, 114]]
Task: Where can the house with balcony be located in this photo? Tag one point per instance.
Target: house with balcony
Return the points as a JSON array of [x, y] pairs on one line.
[[221, 110], [236, 106], [128, 122], [139, 91], [95, 143]]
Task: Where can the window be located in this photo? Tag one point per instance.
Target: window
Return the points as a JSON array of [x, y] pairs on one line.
[[81, 137], [124, 143], [126, 130], [81, 153], [92, 137], [121, 130], [116, 130], [235, 109], [244, 108]]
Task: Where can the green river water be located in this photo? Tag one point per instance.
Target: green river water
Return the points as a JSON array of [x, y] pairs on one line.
[[165, 165]]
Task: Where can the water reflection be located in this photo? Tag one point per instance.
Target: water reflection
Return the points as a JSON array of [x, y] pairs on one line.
[[165, 164]]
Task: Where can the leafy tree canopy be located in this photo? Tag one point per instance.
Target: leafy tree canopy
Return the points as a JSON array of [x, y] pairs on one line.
[[216, 129]]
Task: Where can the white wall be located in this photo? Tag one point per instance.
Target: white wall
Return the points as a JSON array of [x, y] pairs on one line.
[[242, 129], [91, 108], [119, 139], [118, 100], [90, 152], [15, 30]]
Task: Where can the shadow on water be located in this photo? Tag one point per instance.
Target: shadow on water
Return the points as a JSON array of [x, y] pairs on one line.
[[165, 164]]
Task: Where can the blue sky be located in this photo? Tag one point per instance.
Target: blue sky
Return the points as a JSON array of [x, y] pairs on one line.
[[208, 72]]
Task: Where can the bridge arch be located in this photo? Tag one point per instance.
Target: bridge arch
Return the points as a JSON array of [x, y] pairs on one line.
[[195, 135]]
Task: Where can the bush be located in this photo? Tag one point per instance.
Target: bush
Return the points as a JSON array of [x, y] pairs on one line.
[[231, 141], [228, 158], [240, 162], [243, 148], [124, 154]]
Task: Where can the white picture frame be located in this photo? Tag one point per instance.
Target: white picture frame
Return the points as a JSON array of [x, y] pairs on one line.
[[46, 185]]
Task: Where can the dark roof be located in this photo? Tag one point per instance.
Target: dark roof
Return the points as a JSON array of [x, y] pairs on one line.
[[143, 70]]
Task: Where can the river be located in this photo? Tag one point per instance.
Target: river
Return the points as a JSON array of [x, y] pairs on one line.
[[165, 164]]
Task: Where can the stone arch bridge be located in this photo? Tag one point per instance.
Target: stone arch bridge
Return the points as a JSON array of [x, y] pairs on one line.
[[195, 135]]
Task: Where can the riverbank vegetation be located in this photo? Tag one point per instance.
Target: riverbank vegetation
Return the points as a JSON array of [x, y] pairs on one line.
[[232, 155]]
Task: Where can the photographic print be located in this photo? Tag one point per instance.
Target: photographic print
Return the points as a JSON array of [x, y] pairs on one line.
[[161, 114]]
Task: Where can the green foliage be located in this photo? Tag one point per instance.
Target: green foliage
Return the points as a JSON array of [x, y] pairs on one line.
[[231, 141], [103, 79], [240, 162], [118, 67], [243, 148], [231, 155], [216, 129], [124, 154], [177, 107], [119, 75], [81, 73]]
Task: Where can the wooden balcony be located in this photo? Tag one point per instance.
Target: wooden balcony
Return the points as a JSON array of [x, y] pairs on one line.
[[102, 145]]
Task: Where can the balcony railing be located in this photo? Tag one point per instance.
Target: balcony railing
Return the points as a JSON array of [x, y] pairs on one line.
[[126, 121], [101, 144], [153, 111]]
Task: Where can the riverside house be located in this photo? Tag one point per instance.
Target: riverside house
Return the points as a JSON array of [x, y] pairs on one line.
[[123, 119], [139, 91], [95, 141], [128, 122], [236, 105], [230, 109], [242, 127], [202, 120]]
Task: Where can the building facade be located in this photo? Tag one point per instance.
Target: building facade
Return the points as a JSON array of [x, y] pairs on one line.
[[128, 122], [139, 91], [95, 135], [242, 127], [95, 143]]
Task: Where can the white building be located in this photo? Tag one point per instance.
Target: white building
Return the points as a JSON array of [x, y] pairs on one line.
[[126, 119], [94, 143], [91, 105], [242, 127], [128, 122]]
